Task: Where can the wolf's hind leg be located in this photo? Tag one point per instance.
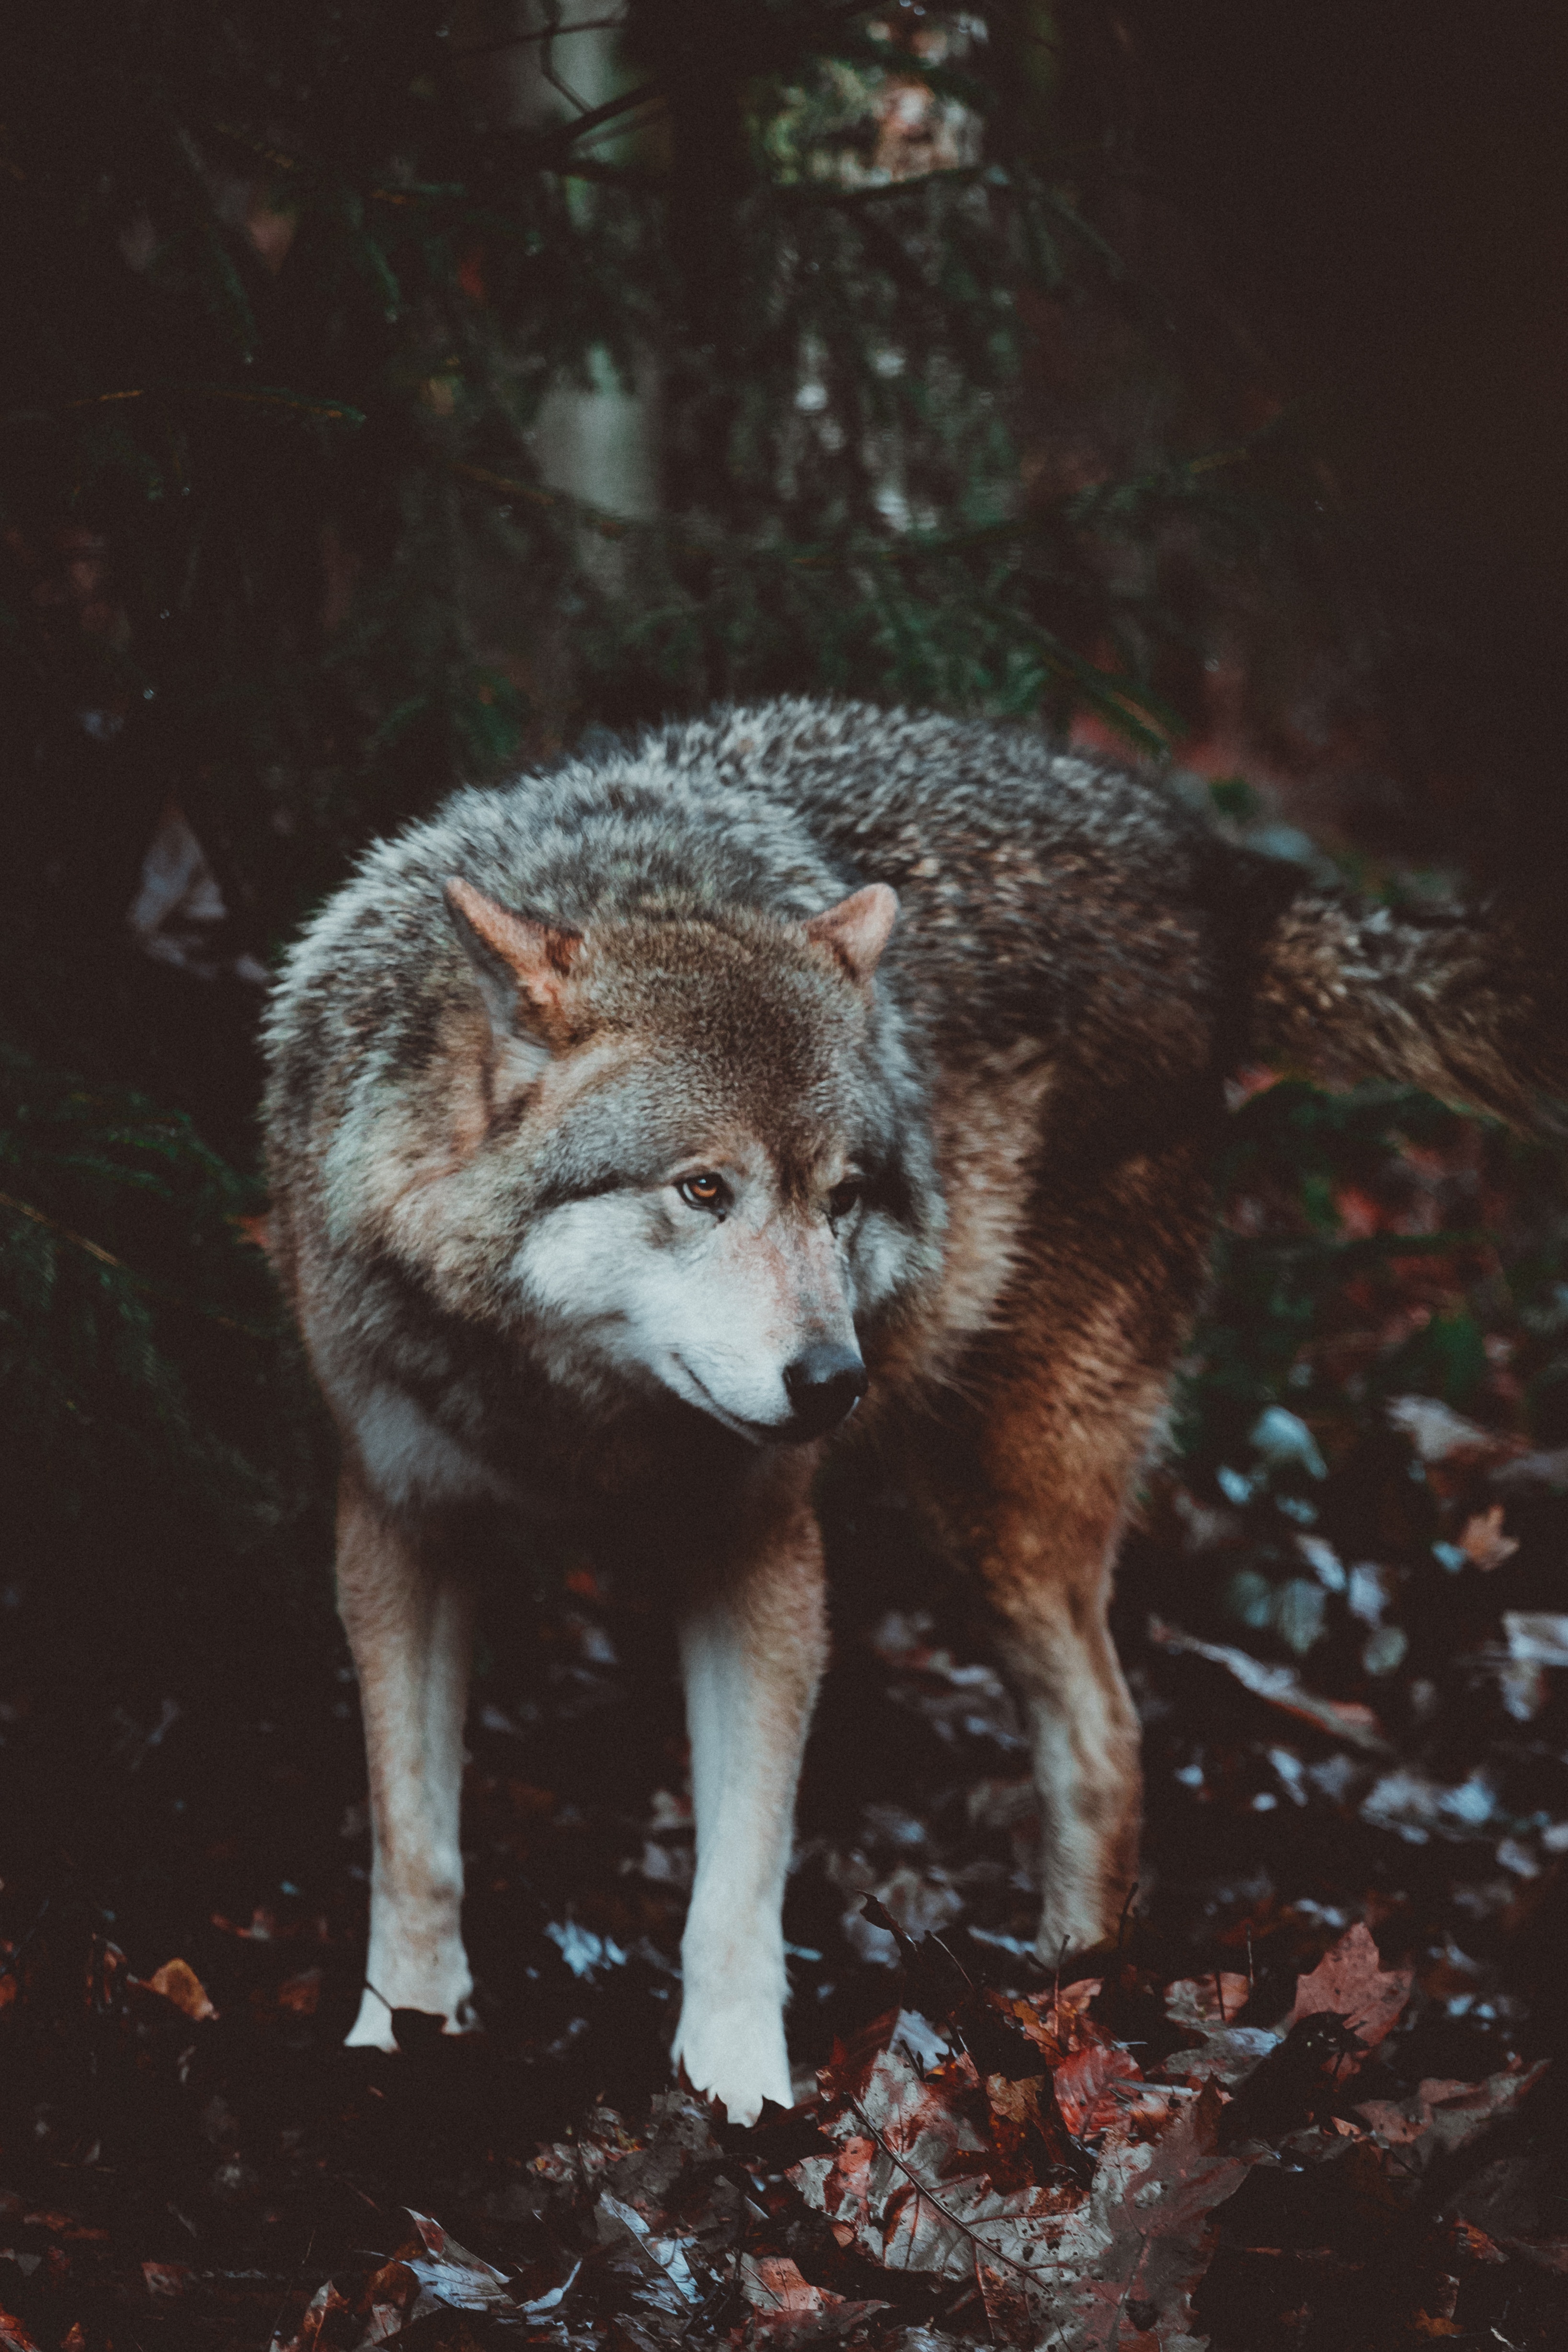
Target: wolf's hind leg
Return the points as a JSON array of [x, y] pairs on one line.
[[753, 1644], [1051, 1585], [1071, 1387], [409, 1627]]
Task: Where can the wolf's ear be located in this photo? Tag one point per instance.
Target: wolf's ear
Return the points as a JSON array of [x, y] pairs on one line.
[[522, 964], [856, 930]]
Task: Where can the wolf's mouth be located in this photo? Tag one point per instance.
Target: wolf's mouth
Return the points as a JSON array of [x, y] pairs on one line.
[[756, 1433]]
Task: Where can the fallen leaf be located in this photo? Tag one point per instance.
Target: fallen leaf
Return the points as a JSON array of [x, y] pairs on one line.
[[177, 1982], [1437, 1433], [1086, 2083], [1416, 1807], [1548, 1470], [1199, 2004], [300, 1994], [1350, 1982], [167, 2279], [327, 2302], [62, 2225], [450, 2273], [1474, 2244], [1547, 2253], [772, 2285], [1483, 1541], [1536, 1637], [666, 2259], [912, 2186], [1281, 1686], [785, 2304], [1142, 2234], [1441, 2117]]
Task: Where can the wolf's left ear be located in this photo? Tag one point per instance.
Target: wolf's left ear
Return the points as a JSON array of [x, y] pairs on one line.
[[522, 964], [856, 930]]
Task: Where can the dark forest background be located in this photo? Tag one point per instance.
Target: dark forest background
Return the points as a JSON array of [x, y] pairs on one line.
[[1189, 375], [393, 395]]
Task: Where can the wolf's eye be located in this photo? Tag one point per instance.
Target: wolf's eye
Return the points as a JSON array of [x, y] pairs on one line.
[[704, 1191], [843, 1198]]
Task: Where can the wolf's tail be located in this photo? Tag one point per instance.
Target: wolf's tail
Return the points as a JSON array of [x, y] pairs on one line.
[[1473, 1007]]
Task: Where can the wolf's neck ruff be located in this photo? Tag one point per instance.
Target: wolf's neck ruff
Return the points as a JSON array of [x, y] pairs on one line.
[[621, 1139]]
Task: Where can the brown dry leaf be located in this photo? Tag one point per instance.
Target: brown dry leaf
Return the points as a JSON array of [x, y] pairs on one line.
[[177, 1981], [1142, 2235], [1086, 2083], [1350, 1981], [1281, 1686], [1440, 2117], [1474, 2244], [1439, 1434], [167, 2279], [430, 2270], [1483, 1542], [1007, 2303], [14, 2336], [784, 2303], [300, 1994], [772, 2285], [1054, 2022], [1201, 2003], [912, 2185], [450, 2273], [327, 2302], [1226, 2052], [63, 2225]]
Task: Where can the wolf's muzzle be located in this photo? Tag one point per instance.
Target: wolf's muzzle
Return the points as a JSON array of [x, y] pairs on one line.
[[823, 1385]]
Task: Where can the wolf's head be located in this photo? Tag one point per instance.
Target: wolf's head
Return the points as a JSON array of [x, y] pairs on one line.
[[705, 1118]]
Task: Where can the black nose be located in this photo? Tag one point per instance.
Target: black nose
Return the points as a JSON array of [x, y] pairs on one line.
[[823, 1385]]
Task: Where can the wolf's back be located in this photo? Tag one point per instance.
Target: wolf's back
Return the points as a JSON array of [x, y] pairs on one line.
[[1046, 893]]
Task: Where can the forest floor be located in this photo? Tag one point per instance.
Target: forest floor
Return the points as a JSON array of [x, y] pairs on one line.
[[1318, 2095]]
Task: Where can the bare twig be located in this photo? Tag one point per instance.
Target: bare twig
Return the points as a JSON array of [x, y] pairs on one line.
[[922, 2189]]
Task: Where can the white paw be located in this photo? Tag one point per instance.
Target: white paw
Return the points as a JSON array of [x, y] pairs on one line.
[[735, 2051], [407, 1971], [372, 2029]]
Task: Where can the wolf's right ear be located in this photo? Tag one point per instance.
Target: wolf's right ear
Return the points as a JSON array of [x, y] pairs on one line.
[[521, 965]]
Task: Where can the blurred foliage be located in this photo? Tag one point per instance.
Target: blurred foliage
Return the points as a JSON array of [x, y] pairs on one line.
[[285, 288], [155, 1406]]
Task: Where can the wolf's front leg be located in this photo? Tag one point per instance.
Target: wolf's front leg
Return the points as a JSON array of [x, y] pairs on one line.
[[753, 1646], [409, 1627]]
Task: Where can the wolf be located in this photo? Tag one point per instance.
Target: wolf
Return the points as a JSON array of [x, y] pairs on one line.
[[796, 1078]]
